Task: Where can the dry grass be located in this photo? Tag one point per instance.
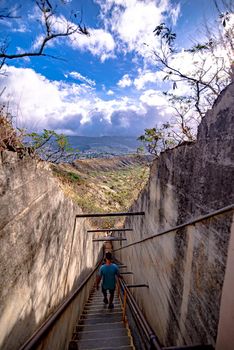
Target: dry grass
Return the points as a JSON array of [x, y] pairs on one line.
[[9, 140]]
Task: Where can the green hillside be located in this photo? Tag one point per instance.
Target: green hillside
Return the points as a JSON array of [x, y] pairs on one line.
[[104, 185]]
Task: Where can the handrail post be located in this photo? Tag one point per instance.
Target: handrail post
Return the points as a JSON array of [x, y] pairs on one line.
[[124, 305]]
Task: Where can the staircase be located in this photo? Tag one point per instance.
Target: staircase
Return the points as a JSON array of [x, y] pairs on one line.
[[100, 328]]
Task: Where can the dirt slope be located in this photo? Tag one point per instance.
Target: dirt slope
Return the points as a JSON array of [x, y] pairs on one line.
[[104, 185]]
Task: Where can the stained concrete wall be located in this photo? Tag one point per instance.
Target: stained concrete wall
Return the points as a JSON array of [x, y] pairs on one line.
[[185, 269], [44, 252]]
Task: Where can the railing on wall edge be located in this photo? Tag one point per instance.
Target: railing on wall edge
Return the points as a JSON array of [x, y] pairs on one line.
[[151, 337], [140, 319], [191, 222]]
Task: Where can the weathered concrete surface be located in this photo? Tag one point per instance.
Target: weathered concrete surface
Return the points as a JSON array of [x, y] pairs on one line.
[[185, 269], [225, 338], [44, 252]]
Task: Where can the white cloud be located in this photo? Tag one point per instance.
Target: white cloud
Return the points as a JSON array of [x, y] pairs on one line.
[[78, 76], [147, 76], [100, 43], [110, 92], [133, 21], [154, 98], [21, 28], [136, 23], [40, 101], [174, 13], [128, 25], [75, 108], [125, 81], [207, 64], [39, 40]]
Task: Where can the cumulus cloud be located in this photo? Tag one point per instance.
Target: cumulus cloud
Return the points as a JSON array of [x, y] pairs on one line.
[[100, 43], [133, 21], [154, 98], [37, 101], [125, 81], [128, 25], [75, 109], [147, 76]]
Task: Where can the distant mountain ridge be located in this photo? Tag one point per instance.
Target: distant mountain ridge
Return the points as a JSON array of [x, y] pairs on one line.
[[104, 146]]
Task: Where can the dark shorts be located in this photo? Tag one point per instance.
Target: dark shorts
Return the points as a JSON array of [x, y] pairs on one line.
[[104, 291]]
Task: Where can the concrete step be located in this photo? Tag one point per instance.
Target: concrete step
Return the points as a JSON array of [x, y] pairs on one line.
[[101, 326], [116, 348], [104, 342], [99, 306], [107, 333], [99, 320], [90, 301], [100, 296], [102, 310], [73, 345], [100, 303], [95, 297], [106, 314]]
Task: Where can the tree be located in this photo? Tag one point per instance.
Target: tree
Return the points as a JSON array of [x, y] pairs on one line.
[[9, 13], [207, 79], [52, 30], [158, 139], [211, 70], [48, 145], [51, 146]]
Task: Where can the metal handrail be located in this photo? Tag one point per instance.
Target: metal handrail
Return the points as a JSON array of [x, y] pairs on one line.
[[145, 327], [95, 215], [139, 317], [191, 222], [46, 326]]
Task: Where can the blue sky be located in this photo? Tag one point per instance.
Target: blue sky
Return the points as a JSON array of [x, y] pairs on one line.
[[103, 84]]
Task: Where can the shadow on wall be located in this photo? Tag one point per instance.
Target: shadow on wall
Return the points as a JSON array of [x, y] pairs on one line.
[[44, 255], [21, 329]]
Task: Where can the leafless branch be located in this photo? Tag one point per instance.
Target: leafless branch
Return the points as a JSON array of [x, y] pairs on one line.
[[9, 13], [48, 13]]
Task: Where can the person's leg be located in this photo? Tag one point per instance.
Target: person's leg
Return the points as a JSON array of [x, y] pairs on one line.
[[112, 292], [104, 292]]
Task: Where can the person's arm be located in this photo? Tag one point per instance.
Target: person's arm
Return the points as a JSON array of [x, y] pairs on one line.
[[98, 279], [118, 273]]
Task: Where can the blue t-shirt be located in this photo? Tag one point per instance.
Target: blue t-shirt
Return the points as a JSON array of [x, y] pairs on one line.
[[108, 273]]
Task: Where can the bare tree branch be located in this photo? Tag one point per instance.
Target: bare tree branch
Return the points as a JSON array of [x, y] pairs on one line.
[[48, 13], [9, 13]]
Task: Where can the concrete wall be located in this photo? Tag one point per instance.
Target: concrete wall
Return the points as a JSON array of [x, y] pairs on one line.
[[44, 252], [185, 269]]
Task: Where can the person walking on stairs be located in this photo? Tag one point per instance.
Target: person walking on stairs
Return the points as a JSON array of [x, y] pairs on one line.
[[108, 273]]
